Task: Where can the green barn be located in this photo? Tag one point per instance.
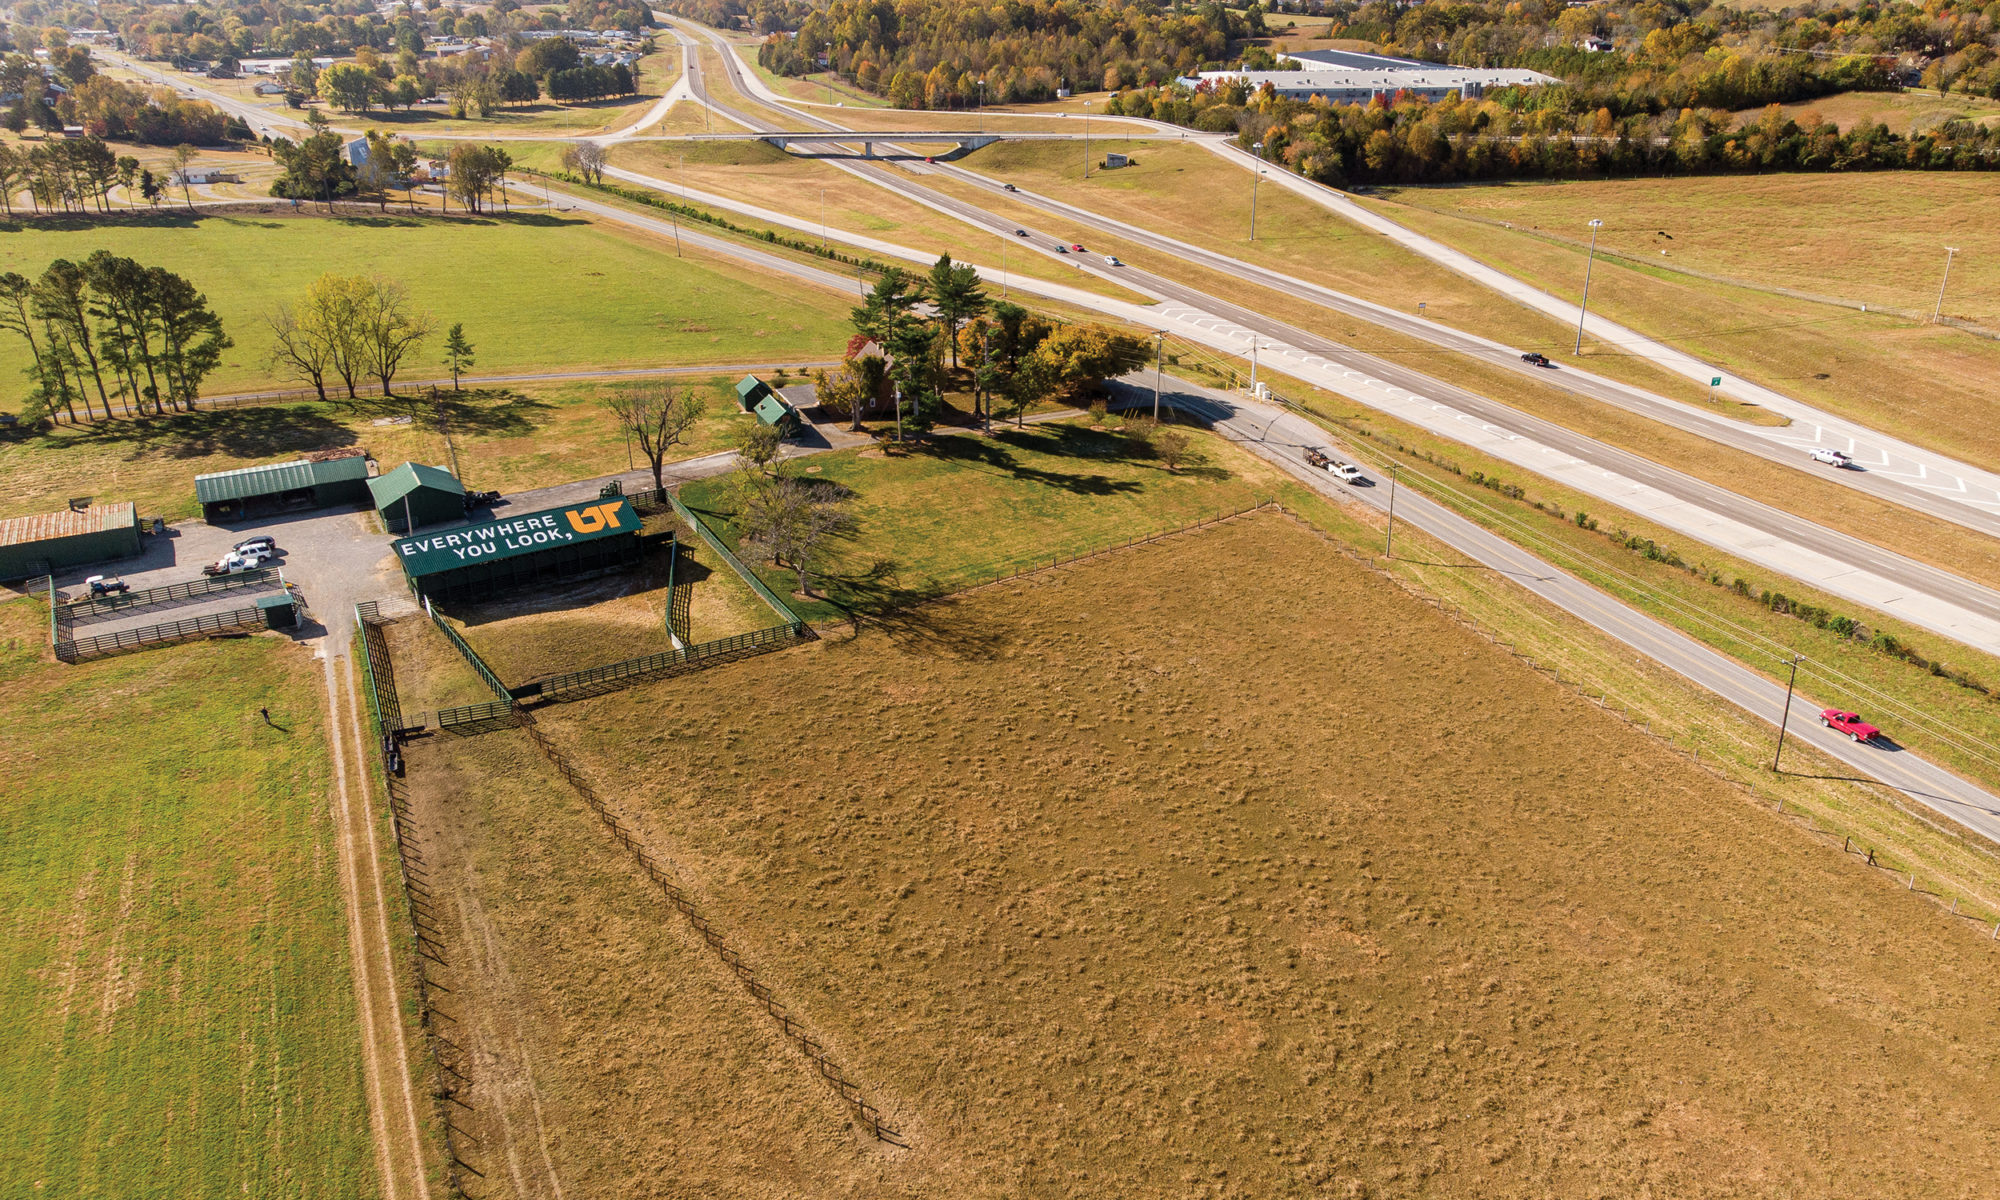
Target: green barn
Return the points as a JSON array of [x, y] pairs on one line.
[[282, 487], [556, 543], [50, 542], [413, 496]]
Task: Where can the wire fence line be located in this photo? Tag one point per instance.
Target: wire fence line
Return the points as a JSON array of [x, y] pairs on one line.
[[1611, 698], [661, 872], [716, 543], [486, 674], [448, 1062], [598, 681]]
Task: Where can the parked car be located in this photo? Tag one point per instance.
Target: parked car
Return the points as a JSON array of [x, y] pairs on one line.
[[1111, 260], [1076, 247], [235, 561], [1848, 723], [1536, 360], [263, 543], [1832, 458], [475, 499], [107, 585]]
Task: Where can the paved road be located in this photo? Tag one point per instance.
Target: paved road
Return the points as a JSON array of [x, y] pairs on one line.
[[1835, 562], [1281, 437], [1950, 486]]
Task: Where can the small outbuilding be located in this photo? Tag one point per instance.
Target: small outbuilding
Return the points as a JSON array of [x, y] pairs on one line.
[[774, 410], [751, 391], [50, 542], [282, 487], [413, 496], [556, 543]]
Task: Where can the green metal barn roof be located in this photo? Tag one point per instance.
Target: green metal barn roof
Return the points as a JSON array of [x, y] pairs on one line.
[[750, 391], [583, 521], [272, 478], [774, 410], [387, 489]]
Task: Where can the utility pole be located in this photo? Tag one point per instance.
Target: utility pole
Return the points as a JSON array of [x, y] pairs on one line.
[[1938, 312], [1389, 550], [1159, 358], [1788, 710], [1086, 139], [1583, 308], [822, 218], [1256, 179]]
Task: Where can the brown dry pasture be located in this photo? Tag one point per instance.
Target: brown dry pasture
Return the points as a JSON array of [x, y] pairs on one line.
[[1215, 867]]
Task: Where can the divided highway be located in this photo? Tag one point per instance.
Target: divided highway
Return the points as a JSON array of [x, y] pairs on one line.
[[1835, 562]]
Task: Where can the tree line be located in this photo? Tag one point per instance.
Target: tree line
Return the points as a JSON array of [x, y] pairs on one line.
[[1416, 141], [933, 53], [317, 168], [110, 327], [551, 66], [72, 176], [226, 30]]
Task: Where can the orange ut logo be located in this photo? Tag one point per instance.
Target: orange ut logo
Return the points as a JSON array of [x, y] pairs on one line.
[[592, 519]]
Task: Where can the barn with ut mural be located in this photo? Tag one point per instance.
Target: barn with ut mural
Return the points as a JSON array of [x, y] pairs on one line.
[[475, 562]]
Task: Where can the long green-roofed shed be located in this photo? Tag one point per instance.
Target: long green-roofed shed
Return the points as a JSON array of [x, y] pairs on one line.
[[414, 495], [49, 542], [554, 543], [273, 486]]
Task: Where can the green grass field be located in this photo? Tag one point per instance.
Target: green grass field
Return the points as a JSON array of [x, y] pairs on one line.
[[534, 290], [1878, 239], [1049, 490], [176, 1011], [508, 439]]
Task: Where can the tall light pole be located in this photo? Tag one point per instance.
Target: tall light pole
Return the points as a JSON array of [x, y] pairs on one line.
[[1086, 139], [1583, 308], [1788, 710], [1254, 181], [1159, 358], [1938, 312], [829, 72], [1253, 365], [982, 106]]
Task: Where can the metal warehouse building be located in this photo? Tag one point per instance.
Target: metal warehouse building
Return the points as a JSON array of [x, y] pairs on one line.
[[276, 487], [556, 543], [413, 496], [45, 544]]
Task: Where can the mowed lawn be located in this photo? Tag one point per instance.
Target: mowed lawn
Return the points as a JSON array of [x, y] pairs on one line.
[[534, 290], [1047, 491], [507, 439], [176, 1014]]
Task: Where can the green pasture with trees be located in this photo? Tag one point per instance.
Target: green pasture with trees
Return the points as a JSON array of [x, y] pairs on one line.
[[568, 294]]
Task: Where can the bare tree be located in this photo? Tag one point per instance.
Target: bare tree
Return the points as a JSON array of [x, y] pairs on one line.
[[796, 521], [387, 329], [658, 417], [585, 159], [299, 349]]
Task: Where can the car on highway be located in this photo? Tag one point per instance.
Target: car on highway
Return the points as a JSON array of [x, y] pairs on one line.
[[1111, 260], [1008, 187], [107, 585], [1346, 472], [1848, 723], [1536, 360], [1076, 246], [263, 543], [1061, 249], [1832, 458], [1020, 233]]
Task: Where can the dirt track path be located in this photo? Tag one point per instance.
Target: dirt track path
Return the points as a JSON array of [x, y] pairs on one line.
[[392, 1101]]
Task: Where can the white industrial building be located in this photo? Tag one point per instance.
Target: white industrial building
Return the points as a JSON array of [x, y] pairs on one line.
[[1345, 77]]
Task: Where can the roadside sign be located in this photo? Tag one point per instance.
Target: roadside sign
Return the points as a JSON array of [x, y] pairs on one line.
[[1715, 382]]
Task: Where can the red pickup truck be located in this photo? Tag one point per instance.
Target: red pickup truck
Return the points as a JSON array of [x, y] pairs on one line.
[[1848, 723]]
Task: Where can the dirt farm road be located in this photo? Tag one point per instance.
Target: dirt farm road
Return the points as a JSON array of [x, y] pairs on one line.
[[1282, 437]]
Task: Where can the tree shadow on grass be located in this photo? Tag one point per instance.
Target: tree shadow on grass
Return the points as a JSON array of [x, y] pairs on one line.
[[483, 412], [260, 432], [913, 617], [994, 454]]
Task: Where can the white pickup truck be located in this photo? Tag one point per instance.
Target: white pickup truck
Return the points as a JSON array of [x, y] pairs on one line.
[[1346, 472], [237, 560], [1832, 458]]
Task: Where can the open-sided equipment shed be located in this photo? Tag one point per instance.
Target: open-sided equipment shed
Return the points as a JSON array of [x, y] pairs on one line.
[[413, 496], [555, 543], [277, 487]]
